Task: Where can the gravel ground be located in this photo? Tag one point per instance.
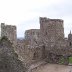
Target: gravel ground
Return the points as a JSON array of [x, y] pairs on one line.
[[53, 68]]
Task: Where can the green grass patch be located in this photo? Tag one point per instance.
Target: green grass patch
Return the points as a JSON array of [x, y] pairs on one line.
[[70, 59], [61, 61]]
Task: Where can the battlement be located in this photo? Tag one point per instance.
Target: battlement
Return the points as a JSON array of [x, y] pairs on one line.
[[8, 26], [32, 31], [2, 24], [45, 19], [11, 26]]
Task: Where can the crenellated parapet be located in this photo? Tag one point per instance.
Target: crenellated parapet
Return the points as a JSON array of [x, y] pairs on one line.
[[45, 19]]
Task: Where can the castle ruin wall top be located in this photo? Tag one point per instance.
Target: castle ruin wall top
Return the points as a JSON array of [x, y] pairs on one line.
[[44, 19]]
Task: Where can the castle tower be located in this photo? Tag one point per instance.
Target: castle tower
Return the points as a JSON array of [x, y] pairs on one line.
[[10, 32], [70, 39], [51, 30], [0, 31]]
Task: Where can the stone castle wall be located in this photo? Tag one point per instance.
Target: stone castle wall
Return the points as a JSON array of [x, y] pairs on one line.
[[33, 52], [39, 43], [33, 36], [70, 39], [10, 32], [20, 49], [51, 30], [50, 36]]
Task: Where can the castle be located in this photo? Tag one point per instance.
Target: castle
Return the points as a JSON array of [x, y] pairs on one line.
[[47, 43], [9, 31]]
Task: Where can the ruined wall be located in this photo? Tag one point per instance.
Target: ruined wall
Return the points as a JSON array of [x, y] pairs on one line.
[[10, 32], [39, 43], [20, 49], [0, 31], [32, 55], [51, 30], [32, 46], [9, 61], [70, 39], [33, 36]]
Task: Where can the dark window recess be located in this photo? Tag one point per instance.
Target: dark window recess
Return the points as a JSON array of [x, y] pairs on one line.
[[46, 33], [70, 43], [35, 56], [5, 66]]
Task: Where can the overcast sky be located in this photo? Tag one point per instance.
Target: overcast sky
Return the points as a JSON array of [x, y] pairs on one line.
[[25, 13]]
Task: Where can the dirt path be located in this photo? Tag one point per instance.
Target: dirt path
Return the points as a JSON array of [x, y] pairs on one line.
[[53, 68]]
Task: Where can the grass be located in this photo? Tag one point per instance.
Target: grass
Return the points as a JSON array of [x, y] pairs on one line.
[[70, 59], [61, 61]]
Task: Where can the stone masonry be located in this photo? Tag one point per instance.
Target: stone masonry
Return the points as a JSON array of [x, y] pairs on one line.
[[51, 30], [33, 36], [9, 61], [50, 38], [10, 32], [47, 43]]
